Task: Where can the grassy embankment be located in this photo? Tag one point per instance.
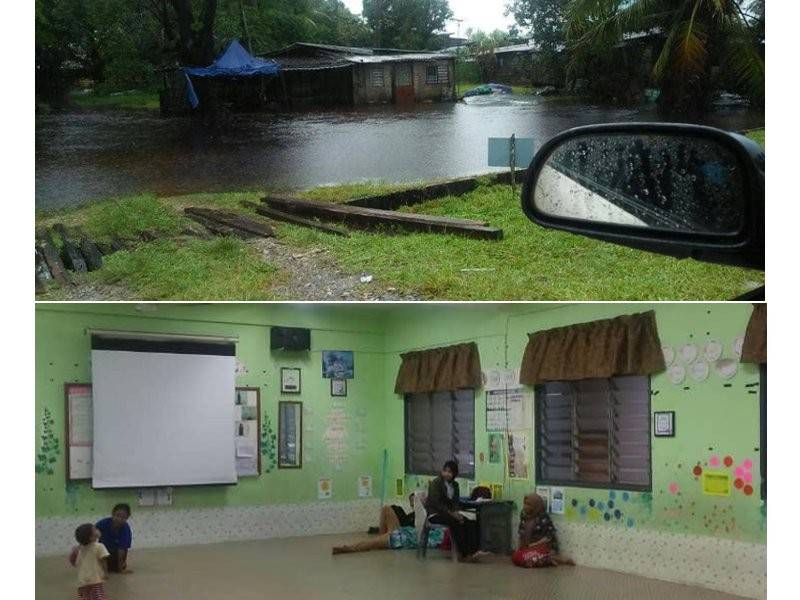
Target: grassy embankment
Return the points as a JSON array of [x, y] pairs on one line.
[[134, 99], [530, 263]]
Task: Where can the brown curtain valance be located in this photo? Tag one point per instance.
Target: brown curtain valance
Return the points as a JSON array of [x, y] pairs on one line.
[[754, 348], [439, 369], [626, 345]]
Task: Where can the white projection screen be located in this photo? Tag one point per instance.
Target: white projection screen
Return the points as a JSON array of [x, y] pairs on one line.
[[163, 412]]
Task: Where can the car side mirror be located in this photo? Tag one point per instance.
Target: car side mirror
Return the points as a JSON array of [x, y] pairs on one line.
[[676, 189]]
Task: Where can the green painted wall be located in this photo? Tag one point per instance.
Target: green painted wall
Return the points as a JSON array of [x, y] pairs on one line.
[[712, 419], [63, 355]]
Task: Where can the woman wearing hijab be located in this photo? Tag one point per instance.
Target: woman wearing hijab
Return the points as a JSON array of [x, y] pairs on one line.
[[536, 531]]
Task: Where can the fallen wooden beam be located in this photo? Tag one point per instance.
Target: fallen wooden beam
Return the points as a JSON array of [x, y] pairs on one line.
[[48, 249], [73, 256], [411, 196], [290, 218], [220, 229], [232, 220], [43, 275], [370, 217], [90, 250]]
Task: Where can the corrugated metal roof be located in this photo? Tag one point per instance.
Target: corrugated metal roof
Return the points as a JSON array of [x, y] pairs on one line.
[[398, 58], [341, 50], [307, 63]]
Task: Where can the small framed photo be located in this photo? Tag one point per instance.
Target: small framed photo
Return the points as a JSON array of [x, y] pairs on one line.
[[339, 387], [664, 424], [290, 381]]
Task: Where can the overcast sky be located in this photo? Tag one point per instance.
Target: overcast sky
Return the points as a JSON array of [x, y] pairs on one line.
[[478, 14]]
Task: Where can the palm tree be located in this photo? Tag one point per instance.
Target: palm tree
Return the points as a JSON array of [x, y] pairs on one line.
[[702, 45]]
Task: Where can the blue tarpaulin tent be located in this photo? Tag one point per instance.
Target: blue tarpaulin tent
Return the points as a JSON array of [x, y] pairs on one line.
[[234, 62]]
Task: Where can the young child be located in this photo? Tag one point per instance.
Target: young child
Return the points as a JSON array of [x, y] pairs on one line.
[[537, 529], [90, 560]]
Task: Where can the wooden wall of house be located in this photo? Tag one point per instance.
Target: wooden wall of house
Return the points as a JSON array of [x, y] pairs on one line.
[[372, 84], [320, 87]]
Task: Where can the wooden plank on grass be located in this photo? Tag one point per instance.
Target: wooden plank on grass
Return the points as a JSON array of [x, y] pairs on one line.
[[294, 219], [371, 217], [74, 258], [48, 249], [43, 275], [90, 250], [220, 229], [233, 220]]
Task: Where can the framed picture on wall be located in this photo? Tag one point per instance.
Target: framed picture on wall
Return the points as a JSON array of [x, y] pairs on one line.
[[664, 424], [290, 380], [339, 387], [247, 429], [290, 435], [337, 364]]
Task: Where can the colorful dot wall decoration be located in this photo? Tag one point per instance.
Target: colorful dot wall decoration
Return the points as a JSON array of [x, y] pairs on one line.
[[714, 461]]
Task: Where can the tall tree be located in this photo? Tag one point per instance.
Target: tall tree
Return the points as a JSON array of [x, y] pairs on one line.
[[545, 23], [406, 23], [195, 35], [701, 44]]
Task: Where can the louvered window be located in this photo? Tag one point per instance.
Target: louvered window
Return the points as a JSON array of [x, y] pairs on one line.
[[594, 433], [438, 427]]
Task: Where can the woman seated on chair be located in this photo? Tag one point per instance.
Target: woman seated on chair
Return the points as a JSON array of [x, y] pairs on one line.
[[442, 506], [396, 531]]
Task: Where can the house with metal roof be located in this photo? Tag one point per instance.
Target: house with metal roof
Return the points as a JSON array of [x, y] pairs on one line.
[[325, 75]]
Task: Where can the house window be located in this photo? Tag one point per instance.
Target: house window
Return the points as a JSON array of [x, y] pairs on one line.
[[443, 74], [438, 427], [594, 433], [376, 77], [431, 74]]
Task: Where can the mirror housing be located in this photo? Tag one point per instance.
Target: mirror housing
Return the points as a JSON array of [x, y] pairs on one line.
[[740, 244]]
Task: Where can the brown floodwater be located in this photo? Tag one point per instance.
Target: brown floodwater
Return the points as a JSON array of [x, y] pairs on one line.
[[94, 155]]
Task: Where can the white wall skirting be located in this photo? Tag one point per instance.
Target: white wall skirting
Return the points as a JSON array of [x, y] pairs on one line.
[[180, 527], [725, 565]]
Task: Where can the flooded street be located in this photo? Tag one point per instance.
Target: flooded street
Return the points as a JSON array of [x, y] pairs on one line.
[[86, 156]]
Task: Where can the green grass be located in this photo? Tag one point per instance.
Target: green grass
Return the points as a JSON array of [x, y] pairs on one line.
[[123, 100], [758, 135], [125, 218], [530, 263], [218, 269]]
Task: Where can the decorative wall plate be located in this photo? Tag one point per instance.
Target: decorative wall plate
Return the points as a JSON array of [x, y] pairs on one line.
[[713, 351], [737, 345], [726, 368], [676, 374], [669, 354], [689, 353], [698, 370]]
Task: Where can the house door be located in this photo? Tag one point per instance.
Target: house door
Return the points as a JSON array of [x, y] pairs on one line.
[[404, 84]]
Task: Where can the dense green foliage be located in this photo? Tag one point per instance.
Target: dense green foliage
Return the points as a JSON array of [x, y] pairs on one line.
[[406, 23], [698, 46], [120, 44]]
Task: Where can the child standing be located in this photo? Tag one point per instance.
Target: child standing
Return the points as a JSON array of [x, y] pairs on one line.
[[90, 560]]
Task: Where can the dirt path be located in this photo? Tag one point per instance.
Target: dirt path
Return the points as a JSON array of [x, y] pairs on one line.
[[314, 275]]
